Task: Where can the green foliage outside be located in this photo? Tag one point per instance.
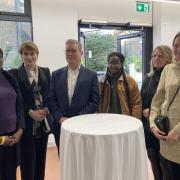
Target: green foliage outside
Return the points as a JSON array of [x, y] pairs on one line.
[[16, 62], [133, 60], [100, 45], [138, 63], [83, 61], [7, 50]]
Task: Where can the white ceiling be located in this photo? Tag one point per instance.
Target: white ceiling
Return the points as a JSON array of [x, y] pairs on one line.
[[80, 3]]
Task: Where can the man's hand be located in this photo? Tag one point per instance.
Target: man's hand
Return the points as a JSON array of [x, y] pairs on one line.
[[62, 119]]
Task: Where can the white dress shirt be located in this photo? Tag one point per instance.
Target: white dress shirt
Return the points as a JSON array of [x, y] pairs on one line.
[[32, 75], [72, 80]]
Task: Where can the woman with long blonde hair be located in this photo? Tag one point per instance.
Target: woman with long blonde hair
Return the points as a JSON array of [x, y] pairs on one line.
[[161, 56]]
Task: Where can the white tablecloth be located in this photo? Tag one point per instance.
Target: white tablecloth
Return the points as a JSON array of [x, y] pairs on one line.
[[103, 147]]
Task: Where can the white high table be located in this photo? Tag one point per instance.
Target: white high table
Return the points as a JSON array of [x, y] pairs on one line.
[[103, 147]]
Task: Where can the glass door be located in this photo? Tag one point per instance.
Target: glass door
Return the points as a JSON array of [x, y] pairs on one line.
[[134, 42], [130, 45]]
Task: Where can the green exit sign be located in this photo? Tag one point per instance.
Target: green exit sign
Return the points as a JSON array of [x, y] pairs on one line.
[[142, 7]]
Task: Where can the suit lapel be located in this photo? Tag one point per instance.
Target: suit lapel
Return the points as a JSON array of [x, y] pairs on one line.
[[64, 84], [42, 80], [23, 77]]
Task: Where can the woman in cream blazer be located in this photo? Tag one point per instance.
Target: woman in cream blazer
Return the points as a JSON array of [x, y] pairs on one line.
[[170, 144]]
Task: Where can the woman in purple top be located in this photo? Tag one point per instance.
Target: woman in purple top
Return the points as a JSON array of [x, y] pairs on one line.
[[11, 123]]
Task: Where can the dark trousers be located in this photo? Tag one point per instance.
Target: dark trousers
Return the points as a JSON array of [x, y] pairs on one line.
[[7, 163], [33, 157], [56, 133], [171, 170], [57, 141], [154, 157]]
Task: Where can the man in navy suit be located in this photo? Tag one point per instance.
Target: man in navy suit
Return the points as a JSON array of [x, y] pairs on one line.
[[74, 89]]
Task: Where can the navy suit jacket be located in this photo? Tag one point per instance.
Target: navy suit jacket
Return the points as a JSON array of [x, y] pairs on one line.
[[85, 98]]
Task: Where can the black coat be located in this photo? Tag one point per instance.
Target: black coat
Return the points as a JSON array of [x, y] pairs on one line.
[[148, 91], [27, 92]]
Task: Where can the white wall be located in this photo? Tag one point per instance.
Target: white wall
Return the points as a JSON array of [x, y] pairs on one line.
[[156, 23], [166, 22], [121, 11], [52, 25], [54, 21]]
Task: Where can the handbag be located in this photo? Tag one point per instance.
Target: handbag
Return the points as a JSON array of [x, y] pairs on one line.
[[162, 122]]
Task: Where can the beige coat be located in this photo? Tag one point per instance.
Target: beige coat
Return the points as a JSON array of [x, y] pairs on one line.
[[169, 82], [134, 96]]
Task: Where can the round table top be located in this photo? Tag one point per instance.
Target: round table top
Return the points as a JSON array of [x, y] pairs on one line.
[[101, 124]]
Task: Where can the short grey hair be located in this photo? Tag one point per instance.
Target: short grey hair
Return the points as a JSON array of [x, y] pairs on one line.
[[73, 41]]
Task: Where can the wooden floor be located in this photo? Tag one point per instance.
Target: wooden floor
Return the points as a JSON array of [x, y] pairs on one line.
[[53, 166]]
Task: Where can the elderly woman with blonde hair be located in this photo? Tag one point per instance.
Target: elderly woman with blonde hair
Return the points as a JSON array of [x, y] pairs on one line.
[[161, 56]]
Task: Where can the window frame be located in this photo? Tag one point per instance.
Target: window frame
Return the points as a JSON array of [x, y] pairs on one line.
[[146, 32], [18, 17]]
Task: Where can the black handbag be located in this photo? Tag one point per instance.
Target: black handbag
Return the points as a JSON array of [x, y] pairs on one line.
[[162, 122]]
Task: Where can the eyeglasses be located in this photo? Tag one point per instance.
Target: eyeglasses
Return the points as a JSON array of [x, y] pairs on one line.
[[1, 56]]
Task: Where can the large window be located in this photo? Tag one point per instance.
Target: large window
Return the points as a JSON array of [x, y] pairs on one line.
[[15, 28], [100, 40], [12, 6]]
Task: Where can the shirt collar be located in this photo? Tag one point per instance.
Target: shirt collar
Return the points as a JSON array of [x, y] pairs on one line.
[[75, 71], [31, 72]]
